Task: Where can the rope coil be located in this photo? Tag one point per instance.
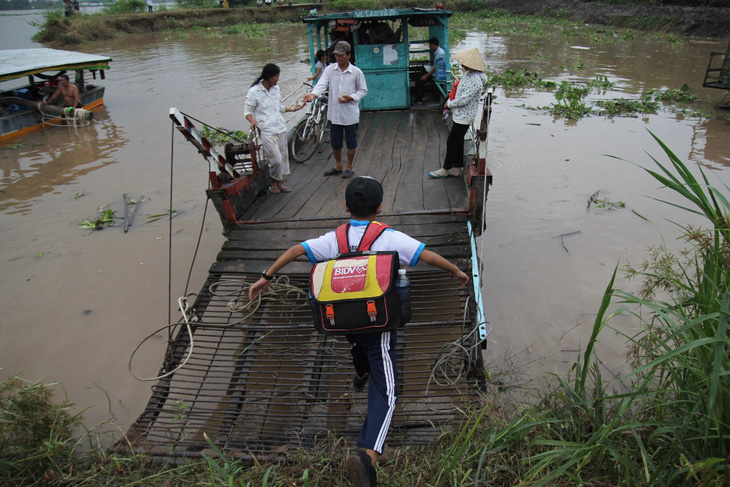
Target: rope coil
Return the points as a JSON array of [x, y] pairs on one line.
[[73, 117], [279, 290]]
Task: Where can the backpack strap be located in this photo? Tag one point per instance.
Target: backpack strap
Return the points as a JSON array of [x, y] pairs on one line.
[[342, 239], [372, 232]]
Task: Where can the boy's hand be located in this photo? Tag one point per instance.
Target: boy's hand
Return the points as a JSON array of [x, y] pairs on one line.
[[257, 288], [462, 277]]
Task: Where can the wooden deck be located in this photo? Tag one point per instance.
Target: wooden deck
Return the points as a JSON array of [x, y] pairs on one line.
[[270, 383], [397, 148]]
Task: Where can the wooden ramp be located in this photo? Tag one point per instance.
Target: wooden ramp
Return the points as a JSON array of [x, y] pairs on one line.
[[268, 383]]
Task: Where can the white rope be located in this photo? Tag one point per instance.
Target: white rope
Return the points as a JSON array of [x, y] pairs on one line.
[[182, 304], [73, 120], [280, 290], [452, 374]]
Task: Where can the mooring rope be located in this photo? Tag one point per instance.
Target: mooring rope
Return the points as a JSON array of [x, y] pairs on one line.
[[280, 290], [74, 118]]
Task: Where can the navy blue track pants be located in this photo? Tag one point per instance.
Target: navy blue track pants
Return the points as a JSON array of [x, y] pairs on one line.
[[374, 353]]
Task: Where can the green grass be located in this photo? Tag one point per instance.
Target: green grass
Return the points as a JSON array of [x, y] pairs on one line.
[[125, 7]]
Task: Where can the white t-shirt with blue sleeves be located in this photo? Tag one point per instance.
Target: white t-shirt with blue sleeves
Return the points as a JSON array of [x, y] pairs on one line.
[[325, 247]]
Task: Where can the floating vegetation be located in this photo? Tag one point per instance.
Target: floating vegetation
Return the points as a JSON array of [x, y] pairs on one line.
[[601, 82], [456, 36], [570, 101], [105, 219], [624, 106], [701, 113], [80, 194], [17, 145], [250, 31], [571, 105], [577, 66], [603, 203], [682, 95], [513, 78]]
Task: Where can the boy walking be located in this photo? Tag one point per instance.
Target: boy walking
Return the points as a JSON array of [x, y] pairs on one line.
[[374, 354]]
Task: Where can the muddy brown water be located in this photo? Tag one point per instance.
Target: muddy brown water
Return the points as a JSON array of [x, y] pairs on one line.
[[75, 305]]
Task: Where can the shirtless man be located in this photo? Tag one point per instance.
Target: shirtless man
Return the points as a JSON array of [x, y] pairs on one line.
[[69, 91]]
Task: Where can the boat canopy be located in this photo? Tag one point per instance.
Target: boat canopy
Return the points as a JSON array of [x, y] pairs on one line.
[[25, 62], [385, 46]]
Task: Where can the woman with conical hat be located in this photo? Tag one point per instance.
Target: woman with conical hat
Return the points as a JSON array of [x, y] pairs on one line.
[[464, 108]]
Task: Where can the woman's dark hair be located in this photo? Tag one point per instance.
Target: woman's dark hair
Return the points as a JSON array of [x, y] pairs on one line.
[[320, 55], [268, 71]]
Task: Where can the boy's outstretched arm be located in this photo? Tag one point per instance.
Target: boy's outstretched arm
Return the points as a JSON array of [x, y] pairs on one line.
[[434, 259], [262, 284]]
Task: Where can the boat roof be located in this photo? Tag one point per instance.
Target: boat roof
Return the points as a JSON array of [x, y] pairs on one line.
[[16, 63], [388, 13]]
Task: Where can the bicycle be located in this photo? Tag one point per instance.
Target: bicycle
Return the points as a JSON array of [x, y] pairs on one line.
[[308, 133]]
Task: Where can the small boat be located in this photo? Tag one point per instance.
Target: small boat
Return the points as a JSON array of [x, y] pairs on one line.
[[20, 109]]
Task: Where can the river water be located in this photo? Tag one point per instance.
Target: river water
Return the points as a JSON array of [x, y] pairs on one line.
[[75, 305]]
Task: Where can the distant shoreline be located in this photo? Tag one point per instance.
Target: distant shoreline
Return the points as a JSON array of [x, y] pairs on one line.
[[690, 21]]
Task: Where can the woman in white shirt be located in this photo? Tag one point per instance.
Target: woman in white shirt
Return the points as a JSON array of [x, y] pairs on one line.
[[263, 109]]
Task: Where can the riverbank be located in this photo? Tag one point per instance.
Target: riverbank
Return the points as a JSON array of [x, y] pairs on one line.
[[692, 21], [61, 31]]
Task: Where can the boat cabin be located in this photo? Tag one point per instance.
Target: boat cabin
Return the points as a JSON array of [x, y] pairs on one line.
[[389, 45], [29, 76]]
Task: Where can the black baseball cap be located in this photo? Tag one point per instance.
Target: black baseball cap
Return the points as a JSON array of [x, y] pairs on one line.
[[363, 196]]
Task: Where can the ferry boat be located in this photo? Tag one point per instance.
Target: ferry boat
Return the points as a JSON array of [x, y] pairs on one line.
[[19, 99], [258, 380]]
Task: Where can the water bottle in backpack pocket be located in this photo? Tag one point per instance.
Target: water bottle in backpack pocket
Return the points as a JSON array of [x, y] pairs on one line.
[[403, 288]]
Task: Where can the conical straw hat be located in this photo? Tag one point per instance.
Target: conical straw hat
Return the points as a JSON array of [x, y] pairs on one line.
[[471, 58]]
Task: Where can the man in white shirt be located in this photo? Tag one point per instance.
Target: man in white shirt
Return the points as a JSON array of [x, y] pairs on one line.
[[346, 85]]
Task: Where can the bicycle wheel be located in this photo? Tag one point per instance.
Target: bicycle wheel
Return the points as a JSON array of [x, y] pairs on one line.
[[304, 141]]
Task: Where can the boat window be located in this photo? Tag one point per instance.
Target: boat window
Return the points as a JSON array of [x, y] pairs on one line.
[[381, 32]]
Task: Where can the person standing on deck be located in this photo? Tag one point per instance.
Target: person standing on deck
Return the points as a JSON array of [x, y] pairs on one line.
[[263, 110], [373, 354], [464, 108], [346, 85]]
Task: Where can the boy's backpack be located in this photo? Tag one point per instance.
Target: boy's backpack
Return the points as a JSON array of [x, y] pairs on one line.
[[355, 292]]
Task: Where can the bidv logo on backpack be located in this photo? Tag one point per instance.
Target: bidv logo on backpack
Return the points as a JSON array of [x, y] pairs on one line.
[[356, 293]]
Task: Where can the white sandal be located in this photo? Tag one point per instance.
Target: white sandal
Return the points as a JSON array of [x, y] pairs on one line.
[[438, 174]]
